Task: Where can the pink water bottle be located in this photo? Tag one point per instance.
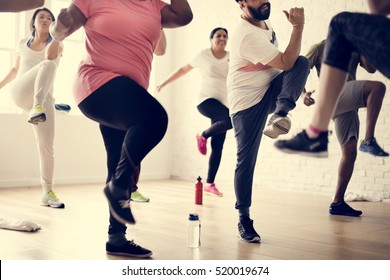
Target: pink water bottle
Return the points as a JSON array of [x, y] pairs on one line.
[[199, 191]]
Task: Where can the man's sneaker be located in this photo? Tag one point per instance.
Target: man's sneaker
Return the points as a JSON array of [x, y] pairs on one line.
[[302, 144], [277, 125], [37, 114], [130, 249], [119, 208], [372, 147], [138, 197], [343, 209], [202, 144], [50, 199], [212, 189], [247, 232]]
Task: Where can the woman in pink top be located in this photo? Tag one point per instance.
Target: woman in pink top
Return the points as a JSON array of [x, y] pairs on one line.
[[111, 87]]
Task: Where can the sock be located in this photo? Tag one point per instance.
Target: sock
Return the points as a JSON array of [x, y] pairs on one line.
[[117, 239], [313, 132], [243, 214]]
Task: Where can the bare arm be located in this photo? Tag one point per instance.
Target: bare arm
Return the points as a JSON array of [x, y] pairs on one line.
[[54, 50], [379, 7], [177, 14], [286, 60], [161, 44], [175, 75], [69, 20], [11, 74], [19, 5]]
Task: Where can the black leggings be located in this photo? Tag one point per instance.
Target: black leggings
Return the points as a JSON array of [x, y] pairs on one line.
[[124, 105], [220, 123]]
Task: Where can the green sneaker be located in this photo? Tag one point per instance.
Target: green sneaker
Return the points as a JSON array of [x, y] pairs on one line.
[[50, 199], [138, 197]]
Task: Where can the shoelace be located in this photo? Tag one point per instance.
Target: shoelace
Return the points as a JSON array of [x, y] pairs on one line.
[[131, 242]]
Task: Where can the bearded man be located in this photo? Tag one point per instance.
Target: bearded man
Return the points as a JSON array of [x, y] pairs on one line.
[[262, 80]]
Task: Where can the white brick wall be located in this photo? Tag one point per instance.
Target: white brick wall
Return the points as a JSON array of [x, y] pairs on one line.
[[274, 169]]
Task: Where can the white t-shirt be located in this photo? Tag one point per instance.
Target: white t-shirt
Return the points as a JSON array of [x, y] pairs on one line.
[[249, 75], [29, 58], [213, 72]]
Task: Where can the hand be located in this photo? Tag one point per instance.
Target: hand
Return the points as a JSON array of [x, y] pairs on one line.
[[159, 88], [65, 20], [307, 99], [296, 16]]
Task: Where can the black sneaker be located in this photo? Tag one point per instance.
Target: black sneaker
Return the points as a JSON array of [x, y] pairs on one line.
[[277, 125], [247, 232], [343, 209], [302, 144], [119, 208], [372, 147], [130, 249]]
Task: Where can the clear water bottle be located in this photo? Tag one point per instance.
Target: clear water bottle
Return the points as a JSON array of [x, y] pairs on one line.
[[193, 231]]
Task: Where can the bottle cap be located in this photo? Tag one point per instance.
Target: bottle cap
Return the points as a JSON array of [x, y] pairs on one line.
[[199, 178], [193, 217]]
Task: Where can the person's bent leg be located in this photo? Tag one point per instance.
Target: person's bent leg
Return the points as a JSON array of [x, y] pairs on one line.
[[43, 85], [286, 88], [123, 104], [348, 32], [374, 93], [220, 121]]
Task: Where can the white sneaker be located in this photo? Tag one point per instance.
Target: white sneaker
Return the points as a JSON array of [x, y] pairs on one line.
[[277, 125], [50, 199], [37, 114]]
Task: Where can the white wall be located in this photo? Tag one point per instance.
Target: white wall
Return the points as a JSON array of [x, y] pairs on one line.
[[80, 154]]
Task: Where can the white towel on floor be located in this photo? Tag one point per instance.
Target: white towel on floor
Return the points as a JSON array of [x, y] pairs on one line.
[[18, 224]]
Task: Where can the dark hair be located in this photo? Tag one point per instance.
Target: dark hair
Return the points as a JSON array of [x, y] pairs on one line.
[[32, 26], [215, 31]]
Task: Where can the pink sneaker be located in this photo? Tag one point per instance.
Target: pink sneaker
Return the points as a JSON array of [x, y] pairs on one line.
[[212, 189], [202, 144]]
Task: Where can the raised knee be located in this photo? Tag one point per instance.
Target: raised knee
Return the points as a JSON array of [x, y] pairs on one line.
[[50, 65]]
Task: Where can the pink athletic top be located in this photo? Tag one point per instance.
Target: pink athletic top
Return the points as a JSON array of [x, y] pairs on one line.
[[120, 38]]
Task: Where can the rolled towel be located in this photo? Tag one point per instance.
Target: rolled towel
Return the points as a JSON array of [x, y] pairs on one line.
[[18, 224]]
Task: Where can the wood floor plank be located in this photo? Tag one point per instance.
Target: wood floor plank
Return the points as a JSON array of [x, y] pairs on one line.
[[293, 226]]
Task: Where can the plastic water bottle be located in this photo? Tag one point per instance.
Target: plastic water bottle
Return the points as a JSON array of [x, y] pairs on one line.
[[193, 231], [199, 191]]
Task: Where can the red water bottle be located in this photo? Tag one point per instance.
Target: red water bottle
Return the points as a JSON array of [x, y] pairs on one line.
[[199, 191]]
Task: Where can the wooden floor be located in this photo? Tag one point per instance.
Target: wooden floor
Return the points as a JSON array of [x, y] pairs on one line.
[[292, 226]]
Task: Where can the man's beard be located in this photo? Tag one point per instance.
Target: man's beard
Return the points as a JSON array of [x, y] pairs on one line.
[[258, 14]]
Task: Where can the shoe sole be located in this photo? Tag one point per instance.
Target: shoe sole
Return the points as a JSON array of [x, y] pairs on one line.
[[38, 118], [114, 213], [344, 214], [142, 201], [130, 255], [254, 240], [279, 127], [62, 206], [212, 194], [324, 154]]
